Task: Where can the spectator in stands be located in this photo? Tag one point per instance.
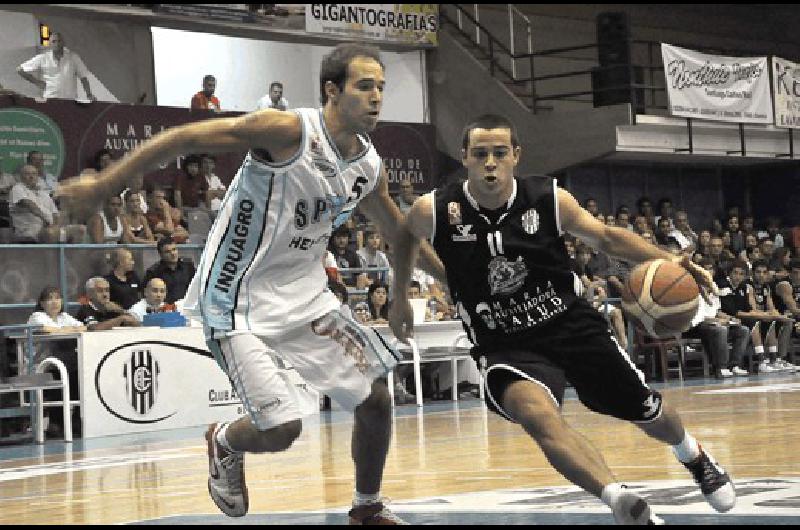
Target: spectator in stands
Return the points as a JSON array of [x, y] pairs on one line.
[[645, 208], [34, 215], [162, 218], [611, 220], [641, 225], [623, 217], [58, 70], [663, 231], [102, 159], [361, 313], [50, 314], [683, 233], [378, 302], [100, 313], [750, 243], [123, 281], [590, 205], [205, 99], [215, 189], [108, 225], [190, 185], [274, 99], [372, 257], [737, 237], [704, 242], [664, 211], [175, 271], [748, 224], [346, 258], [780, 263], [406, 197], [715, 251], [135, 186], [767, 247], [47, 181], [773, 232], [155, 294], [716, 329], [135, 219]]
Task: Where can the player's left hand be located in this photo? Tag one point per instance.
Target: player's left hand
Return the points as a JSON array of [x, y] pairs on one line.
[[703, 278]]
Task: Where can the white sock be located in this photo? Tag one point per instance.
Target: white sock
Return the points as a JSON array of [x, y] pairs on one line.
[[772, 349], [223, 440], [759, 352], [361, 499], [611, 493], [688, 450]]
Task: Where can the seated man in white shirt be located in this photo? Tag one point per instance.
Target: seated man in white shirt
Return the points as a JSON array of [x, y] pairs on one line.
[[155, 294], [34, 215]]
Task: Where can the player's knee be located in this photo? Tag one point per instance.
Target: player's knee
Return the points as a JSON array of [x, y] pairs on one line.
[[279, 438], [379, 401]]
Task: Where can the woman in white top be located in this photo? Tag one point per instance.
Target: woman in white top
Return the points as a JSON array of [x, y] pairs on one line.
[[50, 315]]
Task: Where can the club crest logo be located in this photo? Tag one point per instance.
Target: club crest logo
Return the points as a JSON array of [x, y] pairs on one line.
[[506, 277], [141, 381], [320, 161], [464, 234], [454, 213], [530, 221]]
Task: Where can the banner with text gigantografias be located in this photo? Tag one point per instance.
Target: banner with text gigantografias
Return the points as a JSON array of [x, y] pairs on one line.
[[716, 87]]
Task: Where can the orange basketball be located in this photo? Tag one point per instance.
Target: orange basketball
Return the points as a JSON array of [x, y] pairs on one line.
[[661, 298]]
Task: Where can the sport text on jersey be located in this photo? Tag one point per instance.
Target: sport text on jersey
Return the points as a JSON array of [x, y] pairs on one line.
[[522, 312], [236, 249]]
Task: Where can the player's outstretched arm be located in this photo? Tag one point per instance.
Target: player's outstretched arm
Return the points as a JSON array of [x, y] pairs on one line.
[[381, 209], [278, 132], [621, 243], [418, 225]]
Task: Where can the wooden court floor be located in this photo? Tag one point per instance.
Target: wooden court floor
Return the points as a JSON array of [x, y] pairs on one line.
[[448, 463]]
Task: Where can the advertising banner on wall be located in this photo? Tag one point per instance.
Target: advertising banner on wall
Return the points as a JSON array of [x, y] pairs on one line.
[[786, 90], [716, 87], [400, 23]]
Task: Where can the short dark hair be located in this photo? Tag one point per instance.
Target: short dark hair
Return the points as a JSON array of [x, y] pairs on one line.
[[415, 283], [45, 294], [334, 65], [274, 84], [207, 77], [760, 263], [191, 159], [341, 230], [489, 121], [739, 264], [100, 154], [163, 242], [30, 154]]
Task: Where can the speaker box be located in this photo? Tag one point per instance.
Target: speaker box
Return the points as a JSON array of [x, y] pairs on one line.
[[611, 86], [613, 39]]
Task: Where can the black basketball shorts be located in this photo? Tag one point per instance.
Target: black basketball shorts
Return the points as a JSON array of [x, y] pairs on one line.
[[579, 348]]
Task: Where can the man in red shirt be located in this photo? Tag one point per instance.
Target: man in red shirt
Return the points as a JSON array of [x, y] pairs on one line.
[[205, 99]]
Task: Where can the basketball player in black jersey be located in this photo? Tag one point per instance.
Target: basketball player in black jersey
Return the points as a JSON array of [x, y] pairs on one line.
[[788, 300], [501, 241], [773, 326]]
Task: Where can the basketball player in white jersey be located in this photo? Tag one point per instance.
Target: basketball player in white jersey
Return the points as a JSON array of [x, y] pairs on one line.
[[501, 241], [260, 289]]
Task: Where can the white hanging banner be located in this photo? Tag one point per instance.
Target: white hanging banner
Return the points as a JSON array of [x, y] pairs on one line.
[[786, 88], [716, 87]]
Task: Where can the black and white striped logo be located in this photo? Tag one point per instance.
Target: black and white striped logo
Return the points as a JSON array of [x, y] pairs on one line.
[[141, 381]]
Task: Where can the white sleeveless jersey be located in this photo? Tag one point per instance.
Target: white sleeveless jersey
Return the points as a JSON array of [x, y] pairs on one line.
[[262, 267]]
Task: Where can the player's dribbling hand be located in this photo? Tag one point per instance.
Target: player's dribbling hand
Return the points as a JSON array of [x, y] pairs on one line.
[[703, 278], [401, 319]]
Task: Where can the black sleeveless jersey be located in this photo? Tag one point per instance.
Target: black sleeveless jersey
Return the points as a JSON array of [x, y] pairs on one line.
[[508, 269], [779, 303], [761, 294], [733, 300]]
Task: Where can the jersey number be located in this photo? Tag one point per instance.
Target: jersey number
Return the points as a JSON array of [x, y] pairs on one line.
[[358, 189], [495, 240]]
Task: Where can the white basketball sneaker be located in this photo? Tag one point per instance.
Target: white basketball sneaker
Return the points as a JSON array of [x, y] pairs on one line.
[[765, 368], [632, 509], [739, 371], [226, 483], [714, 482]]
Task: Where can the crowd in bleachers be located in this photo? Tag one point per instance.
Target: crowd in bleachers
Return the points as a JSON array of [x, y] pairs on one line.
[[751, 325]]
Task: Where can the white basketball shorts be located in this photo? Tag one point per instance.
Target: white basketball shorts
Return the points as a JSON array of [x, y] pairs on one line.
[[333, 354]]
